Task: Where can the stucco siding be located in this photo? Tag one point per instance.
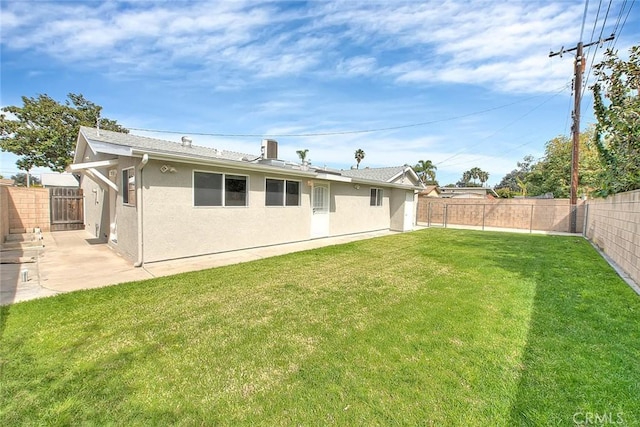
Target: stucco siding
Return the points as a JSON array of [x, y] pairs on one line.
[[351, 212], [127, 214], [397, 209], [96, 198], [175, 228]]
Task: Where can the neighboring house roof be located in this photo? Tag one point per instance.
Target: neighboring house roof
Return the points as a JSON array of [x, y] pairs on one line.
[[467, 192], [431, 190], [123, 144], [58, 180], [386, 174]]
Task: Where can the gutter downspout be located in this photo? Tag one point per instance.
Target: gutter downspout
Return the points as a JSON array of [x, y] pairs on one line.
[[143, 162]]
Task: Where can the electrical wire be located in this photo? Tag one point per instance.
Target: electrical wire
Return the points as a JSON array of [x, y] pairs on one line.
[[613, 45], [346, 132], [500, 130], [593, 57]]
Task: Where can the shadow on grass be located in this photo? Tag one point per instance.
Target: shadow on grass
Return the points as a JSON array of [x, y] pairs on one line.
[[580, 362]]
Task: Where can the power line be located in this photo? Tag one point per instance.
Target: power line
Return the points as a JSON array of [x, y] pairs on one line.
[[346, 132], [613, 45], [500, 130]]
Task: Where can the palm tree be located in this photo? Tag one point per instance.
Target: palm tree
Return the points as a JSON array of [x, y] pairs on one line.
[[426, 170], [359, 157], [475, 173], [302, 154], [483, 177]]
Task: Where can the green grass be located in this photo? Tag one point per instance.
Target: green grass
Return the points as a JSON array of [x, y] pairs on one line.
[[436, 327]]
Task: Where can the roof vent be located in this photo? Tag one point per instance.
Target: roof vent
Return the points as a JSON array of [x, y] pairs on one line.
[[186, 141], [269, 149]]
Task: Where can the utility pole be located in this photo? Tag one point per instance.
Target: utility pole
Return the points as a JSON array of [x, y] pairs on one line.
[[578, 69]]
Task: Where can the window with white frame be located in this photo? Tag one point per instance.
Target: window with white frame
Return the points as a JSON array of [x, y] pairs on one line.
[[129, 186], [218, 189], [281, 192], [376, 197]]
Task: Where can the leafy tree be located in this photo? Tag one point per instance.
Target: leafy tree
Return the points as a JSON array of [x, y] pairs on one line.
[[426, 170], [20, 179], [359, 156], [552, 174], [510, 180], [618, 114], [44, 132]]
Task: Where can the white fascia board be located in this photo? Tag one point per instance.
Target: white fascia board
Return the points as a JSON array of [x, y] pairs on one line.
[[94, 173], [407, 170], [107, 148], [90, 165], [374, 183], [335, 178], [229, 164]]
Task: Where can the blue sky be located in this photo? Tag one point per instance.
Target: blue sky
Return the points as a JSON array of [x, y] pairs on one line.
[[462, 84]]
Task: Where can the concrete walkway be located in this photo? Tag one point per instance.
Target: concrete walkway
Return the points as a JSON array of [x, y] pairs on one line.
[[74, 260]]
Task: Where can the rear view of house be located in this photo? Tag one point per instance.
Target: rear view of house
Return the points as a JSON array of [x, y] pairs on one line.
[[155, 200]]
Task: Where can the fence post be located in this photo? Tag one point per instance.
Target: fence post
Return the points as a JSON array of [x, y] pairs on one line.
[[586, 218], [531, 220], [445, 216], [483, 213]]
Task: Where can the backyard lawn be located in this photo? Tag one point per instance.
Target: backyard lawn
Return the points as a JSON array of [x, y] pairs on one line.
[[435, 327]]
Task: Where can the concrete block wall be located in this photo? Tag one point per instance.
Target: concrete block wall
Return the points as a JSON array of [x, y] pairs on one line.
[[613, 224], [4, 212], [28, 208], [534, 214]]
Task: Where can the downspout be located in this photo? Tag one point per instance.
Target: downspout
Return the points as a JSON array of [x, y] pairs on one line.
[[143, 162]]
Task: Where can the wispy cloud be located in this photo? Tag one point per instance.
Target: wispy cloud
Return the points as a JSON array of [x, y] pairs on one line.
[[482, 43]]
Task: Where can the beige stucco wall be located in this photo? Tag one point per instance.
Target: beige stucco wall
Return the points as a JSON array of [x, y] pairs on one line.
[[174, 228], [96, 198], [397, 208], [127, 215], [351, 212], [613, 224]]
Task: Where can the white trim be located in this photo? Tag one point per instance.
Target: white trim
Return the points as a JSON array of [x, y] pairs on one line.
[[88, 165], [97, 175]]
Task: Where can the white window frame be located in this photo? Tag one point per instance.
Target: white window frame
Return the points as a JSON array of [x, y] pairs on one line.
[[284, 192], [379, 197], [224, 189], [126, 190]]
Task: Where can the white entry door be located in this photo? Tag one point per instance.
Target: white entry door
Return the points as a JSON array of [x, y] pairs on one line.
[[409, 212], [320, 211]]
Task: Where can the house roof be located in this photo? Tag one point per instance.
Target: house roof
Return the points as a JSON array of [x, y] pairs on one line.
[[123, 144], [58, 180], [375, 174], [158, 145]]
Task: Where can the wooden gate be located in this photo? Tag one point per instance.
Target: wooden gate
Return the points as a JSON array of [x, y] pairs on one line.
[[66, 209]]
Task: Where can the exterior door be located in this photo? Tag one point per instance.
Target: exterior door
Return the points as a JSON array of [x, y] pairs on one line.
[[409, 212], [320, 211]]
